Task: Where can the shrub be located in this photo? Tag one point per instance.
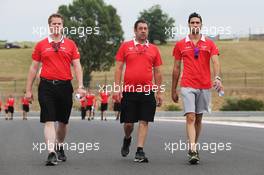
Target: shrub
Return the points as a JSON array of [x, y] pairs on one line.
[[248, 104], [172, 107]]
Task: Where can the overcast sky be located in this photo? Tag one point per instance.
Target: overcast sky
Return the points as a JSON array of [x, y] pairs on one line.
[[19, 18]]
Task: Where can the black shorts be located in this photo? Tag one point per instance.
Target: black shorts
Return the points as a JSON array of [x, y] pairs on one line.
[[137, 106], [25, 108], [55, 101], [117, 107], [11, 109], [104, 106], [89, 108], [83, 111], [6, 111]]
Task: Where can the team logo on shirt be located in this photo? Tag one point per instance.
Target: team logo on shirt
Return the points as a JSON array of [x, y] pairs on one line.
[[130, 48], [49, 49]]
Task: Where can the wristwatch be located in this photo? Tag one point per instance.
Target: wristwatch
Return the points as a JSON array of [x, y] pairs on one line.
[[218, 78]]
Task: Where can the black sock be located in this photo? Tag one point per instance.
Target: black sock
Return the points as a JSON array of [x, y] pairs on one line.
[[139, 149]]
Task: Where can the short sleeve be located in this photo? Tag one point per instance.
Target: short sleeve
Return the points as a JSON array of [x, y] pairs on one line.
[[36, 55], [158, 60], [120, 55], [214, 50], [177, 52], [75, 52]]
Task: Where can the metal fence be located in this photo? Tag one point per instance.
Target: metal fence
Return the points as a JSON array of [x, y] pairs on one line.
[[230, 80]]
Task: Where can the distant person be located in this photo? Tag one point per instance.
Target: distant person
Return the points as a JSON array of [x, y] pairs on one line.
[[25, 106], [141, 61], [90, 97], [195, 52], [0, 106], [117, 107], [104, 104], [11, 103], [83, 108], [6, 111], [57, 54], [94, 108]]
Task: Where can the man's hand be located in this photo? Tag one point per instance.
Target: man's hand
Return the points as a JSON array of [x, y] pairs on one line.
[[159, 99], [175, 96], [81, 91], [117, 96], [218, 84], [29, 96]]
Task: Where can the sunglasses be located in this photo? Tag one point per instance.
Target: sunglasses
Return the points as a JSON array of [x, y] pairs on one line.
[[56, 46], [196, 52]]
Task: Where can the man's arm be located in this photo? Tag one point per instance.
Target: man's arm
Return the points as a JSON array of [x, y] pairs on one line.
[[175, 79], [217, 69], [30, 79], [158, 81], [216, 65], [79, 76], [118, 76]]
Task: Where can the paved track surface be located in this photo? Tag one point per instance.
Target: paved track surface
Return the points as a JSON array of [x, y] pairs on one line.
[[17, 156]]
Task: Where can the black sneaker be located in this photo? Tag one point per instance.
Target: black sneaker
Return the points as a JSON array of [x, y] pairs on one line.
[[125, 147], [52, 159], [61, 155], [193, 157], [140, 157]]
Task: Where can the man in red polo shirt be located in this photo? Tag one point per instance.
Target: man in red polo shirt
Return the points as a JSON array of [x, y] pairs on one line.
[[104, 103], [10, 103], [6, 111], [0, 105], [56, 53], [25, 106], [195, 51], [116, 107], [83, 107], [138, 103], [90, 97]]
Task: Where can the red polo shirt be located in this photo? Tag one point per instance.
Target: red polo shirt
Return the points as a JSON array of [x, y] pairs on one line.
[[11, 102], [56, 65], [24, 101], [196, 72], [83, 103], [104, 97], [90, 99], [140, 60]]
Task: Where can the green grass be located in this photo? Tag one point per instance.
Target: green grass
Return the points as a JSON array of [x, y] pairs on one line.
[[236, 59]]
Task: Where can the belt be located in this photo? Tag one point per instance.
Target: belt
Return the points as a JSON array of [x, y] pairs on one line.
[[55, 82]]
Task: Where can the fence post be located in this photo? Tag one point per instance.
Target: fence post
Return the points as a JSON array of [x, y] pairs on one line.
[[15, 85], [245, 79]]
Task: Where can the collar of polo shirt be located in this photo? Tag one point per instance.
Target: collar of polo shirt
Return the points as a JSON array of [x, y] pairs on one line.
[[51, 40], [187, 39], [136, 43]]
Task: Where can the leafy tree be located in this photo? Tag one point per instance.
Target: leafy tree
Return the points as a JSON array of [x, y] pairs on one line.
[[96, 29], [158, 21]]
